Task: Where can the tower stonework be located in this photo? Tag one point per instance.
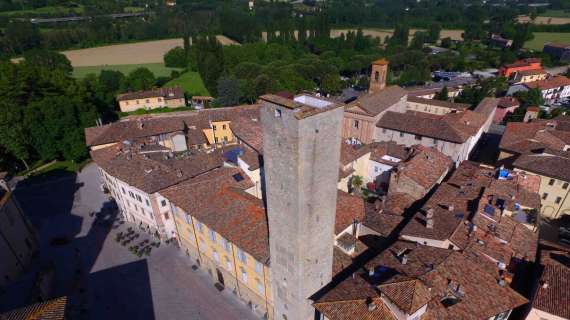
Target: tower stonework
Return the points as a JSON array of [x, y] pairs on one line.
[[301, 150], [378, 75]]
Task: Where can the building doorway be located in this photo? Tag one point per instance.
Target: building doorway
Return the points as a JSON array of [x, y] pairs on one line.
[[220, 277]]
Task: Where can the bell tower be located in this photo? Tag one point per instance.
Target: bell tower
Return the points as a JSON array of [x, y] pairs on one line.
[[378, 75]]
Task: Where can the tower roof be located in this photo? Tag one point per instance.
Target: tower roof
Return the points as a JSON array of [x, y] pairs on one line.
[[381, 62]]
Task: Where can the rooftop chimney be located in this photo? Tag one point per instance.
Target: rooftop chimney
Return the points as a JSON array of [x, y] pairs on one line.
[[404, 259], [371, 305], [429, 213], [429, 223]]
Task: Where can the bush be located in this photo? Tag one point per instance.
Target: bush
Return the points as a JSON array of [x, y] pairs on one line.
[[176, 58]]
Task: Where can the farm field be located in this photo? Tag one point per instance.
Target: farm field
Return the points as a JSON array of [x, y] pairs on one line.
[[382, 33], [158, 69], [540, 38], [191, 82], [129, 53], [546, 20]]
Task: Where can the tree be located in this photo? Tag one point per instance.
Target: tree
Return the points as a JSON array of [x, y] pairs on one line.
[[356, 183], [22, 36], [446, 42], [420, 38], [433, 32], [48, 59], [523, 34], [530, 98], [176, 58], [229, 93], [139, 79], [331, 83], [443, 95]]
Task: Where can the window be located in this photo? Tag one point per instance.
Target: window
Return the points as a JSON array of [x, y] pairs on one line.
[[401, 134], [551, 182], [212, 235], [384, 130], [356, 123], [376, 76], [138, 198], [216, 139], [565, 185], [277, 113], [131, 194], [227, 245], [259, 285], [228, 263], [200, 226], [159, 99], [243, 275], [241, 255], [544, 196], [225, 139], [166, 215], [123, 189], [186, 217], [147, 101], [147, 202], [558, 199], [258, 267], [418, 137], [224, 127], [216, 256], [376, 169], [214, 127], [435, 141], [163, 203]]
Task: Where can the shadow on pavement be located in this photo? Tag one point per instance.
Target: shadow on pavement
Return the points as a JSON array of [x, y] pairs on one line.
[[122, 292]]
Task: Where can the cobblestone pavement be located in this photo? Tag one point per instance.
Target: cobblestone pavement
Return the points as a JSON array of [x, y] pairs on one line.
[[107, 280]]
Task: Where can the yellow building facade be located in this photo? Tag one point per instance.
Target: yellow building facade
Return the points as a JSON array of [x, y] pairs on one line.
[[219, 133], [226, 263]]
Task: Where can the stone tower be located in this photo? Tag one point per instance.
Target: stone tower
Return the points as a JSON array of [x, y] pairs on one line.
[[378, 75], [301, 150]]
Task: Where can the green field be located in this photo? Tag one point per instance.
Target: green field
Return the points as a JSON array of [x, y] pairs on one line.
[[540, 38], [158, 69], [191, 82], [555, 14], [44, 10]]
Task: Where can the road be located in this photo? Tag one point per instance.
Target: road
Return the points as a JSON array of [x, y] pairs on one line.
[[108, 281]]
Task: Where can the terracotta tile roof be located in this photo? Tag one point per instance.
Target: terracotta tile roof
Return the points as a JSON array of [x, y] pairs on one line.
[[511, 193], [420, 259], [54, 309], [508, 102], [426, 166], [130, 130], [522, 63], [548, 165], [217, 199], [191, 123], [348, 208], [249, 132], [453, 127], [409, 295], [395, 203], [439, 103], [445, 222], [482, 297], [553, 288], [486, 107], [154, 171], [166, 93], [251, 157], [350, 153], [531, 72], [349, 300], [389, 148], [382, 223], [525, 137], [376, 103], [550, 83]]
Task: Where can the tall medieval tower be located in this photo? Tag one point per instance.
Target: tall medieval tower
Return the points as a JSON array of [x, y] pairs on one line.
[[301, 150], [378, 75]]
